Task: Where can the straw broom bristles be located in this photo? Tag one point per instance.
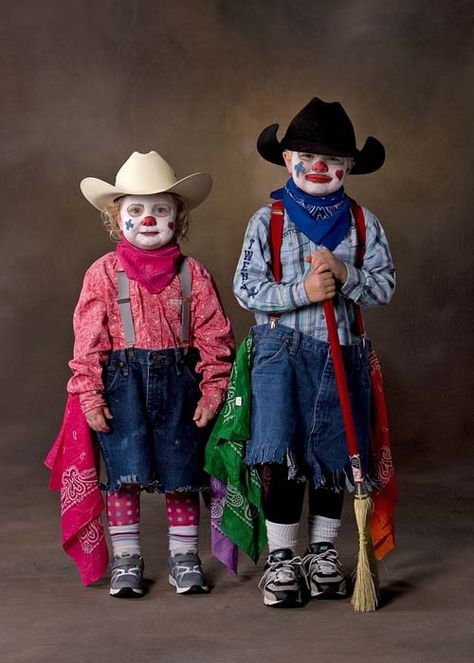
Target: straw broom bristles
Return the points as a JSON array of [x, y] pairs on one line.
[[365, 595]]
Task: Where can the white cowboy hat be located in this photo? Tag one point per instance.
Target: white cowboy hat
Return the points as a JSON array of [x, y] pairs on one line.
[[144, 174]]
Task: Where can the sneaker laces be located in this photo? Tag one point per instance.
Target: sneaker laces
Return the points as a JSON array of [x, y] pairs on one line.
[[325, 563], [284, 572]]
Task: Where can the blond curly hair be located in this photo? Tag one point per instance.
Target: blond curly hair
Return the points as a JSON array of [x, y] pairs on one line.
[[111, 214]]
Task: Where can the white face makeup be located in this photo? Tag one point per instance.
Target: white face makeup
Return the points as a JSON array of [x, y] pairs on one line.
[[148, 222], [317, 174]]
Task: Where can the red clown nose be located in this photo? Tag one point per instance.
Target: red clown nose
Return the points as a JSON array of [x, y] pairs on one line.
[[149, 221], [320, 167]]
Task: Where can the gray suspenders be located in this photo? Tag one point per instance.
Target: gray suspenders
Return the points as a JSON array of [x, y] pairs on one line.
[[123, 300], [185, 278], [125, 309]]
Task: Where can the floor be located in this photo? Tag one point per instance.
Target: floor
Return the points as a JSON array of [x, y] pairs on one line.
[[426, 612]]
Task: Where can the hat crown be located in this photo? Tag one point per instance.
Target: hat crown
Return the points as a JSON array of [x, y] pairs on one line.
[[321, 125], [142, 173]]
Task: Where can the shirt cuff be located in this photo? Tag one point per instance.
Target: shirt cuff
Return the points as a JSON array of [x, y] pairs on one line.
[[300, 296], [89, 400], [353, 286], [212, 399]]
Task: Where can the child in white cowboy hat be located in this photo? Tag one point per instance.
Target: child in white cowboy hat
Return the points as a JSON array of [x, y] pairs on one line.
[[297, 434], [152, 356]]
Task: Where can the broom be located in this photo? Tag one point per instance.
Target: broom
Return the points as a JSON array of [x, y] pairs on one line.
[[365, 595]]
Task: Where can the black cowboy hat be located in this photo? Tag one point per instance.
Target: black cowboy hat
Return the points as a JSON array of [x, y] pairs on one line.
[[322, 128]]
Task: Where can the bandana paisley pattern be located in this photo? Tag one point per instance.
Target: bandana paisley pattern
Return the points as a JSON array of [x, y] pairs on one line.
[[76, 486], [324, 219]]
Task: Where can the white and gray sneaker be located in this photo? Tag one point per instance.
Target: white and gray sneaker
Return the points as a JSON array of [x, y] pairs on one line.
[[282, 583], [127, 576], [322, 569], [186, 574]]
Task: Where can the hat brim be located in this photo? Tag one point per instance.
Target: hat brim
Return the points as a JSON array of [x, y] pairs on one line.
[[367, 160], [193, 189]]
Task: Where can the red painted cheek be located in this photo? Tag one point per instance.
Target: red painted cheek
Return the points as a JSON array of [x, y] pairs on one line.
[[339, 174], [171, 225]]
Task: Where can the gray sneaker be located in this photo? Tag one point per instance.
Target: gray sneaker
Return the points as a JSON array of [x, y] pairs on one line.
[[323, 572], [127, 577], [282, 583], [186, 574]]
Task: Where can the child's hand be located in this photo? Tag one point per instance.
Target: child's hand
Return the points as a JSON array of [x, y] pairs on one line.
[[324, 260], [96, 419], [202, 416], [320, 286]]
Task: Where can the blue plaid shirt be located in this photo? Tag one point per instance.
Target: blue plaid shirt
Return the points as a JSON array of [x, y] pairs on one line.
[[256, 290]]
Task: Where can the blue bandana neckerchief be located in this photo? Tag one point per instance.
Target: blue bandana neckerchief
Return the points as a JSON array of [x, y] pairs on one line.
[[324, 219]]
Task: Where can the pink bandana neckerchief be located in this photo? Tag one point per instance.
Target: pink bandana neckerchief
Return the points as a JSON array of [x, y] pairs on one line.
[[72, 462], [153, 269]]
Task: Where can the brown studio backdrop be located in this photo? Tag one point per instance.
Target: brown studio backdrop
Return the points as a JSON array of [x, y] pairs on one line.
[[88, 82]]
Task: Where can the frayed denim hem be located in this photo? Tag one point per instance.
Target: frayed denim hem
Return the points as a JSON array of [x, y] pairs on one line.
[[336, 480], [151, 486]]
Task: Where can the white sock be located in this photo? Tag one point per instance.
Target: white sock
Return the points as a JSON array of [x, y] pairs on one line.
[[322, 529], [282, 536], [183, 538], [125, 539]]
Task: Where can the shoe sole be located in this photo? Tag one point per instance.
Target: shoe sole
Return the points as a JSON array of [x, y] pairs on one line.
[[194, 589], [288, 602], [126, 593]]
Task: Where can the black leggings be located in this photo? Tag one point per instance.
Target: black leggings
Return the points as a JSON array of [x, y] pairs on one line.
[[283, 498]]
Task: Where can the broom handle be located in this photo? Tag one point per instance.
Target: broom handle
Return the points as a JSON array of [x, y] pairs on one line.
[[341, 382]]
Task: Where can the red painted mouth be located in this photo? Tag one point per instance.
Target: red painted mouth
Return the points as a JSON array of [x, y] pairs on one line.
[[319, 179]]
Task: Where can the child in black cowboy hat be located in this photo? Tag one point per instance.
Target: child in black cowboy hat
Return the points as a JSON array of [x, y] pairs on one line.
[[297, 433]]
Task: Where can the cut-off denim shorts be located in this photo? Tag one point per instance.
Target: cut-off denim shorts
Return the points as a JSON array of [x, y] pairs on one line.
[[296, 415], [154, 442]]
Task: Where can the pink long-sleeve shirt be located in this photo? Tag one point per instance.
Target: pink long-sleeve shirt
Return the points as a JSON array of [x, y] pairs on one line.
[[157, 321]]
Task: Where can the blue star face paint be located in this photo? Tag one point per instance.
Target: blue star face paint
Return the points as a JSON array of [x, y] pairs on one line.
[[129, 224], [317, 174], [299, 168]]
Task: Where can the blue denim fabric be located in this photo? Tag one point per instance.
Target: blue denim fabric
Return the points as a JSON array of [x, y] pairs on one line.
[[296, 415], [154, 442]]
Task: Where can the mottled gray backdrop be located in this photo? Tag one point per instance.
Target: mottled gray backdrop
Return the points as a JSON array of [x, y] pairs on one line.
[[87, 82]]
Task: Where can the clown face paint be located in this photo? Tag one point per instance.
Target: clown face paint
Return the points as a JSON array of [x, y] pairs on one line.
[[317, 174], [148, 222]]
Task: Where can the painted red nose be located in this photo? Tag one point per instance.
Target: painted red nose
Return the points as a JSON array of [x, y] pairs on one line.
[[320, 167], [149, 221]]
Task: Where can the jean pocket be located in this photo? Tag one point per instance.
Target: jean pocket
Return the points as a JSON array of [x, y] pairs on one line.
[[267, 353], [114, 374], [194, 377]]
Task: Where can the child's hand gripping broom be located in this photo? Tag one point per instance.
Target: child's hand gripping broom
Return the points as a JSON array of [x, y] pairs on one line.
[[365, 595]]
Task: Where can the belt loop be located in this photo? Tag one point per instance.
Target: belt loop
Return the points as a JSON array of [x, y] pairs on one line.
[[295, 342], [130, 354], [179, 359]]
